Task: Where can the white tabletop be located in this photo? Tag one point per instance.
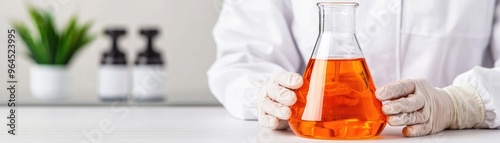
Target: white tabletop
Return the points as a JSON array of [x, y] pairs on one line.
[[131, 124]]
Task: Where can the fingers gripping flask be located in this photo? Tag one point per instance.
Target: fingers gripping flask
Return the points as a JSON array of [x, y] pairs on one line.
[[337, 100]]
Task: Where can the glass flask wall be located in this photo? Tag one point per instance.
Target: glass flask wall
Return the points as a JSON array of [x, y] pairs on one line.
[[337, 99]]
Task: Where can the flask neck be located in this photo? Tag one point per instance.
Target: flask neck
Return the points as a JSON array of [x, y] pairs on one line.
[[337, 39], [338, 17]]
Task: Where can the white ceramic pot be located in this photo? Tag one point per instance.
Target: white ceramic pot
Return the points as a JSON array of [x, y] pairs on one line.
[[49, 82]]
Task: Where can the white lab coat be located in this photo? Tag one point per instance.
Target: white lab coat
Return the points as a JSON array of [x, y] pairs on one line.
[[444, 41]]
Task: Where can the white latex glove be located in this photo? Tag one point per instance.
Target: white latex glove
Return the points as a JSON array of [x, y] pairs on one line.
[[428, 110], [274, 99]]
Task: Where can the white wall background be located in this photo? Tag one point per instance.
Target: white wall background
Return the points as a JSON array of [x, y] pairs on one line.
[[185, 41]]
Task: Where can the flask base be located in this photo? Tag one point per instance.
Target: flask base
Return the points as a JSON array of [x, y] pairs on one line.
[[339, 129]]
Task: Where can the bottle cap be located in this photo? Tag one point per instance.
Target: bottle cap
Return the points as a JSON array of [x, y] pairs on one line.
[[114, 56], [149, 56]]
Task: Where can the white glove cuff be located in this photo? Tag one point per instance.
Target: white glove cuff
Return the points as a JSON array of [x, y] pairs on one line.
[[469, 108]]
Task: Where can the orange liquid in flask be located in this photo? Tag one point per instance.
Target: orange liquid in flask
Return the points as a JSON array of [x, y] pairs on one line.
[[342, 103]]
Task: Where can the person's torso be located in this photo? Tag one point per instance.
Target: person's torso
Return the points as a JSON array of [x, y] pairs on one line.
[[432, 39]]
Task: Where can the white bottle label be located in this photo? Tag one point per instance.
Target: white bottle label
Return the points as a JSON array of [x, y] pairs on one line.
[[113, 81], [149, 81]]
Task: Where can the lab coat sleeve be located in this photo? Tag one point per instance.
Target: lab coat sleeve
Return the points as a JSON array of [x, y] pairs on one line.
[[486, 81], [253, 41]]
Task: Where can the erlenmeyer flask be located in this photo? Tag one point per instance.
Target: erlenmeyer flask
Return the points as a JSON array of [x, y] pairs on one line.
[[337, 100]]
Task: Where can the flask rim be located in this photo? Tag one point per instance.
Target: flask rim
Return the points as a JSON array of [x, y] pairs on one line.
[[338, 4]]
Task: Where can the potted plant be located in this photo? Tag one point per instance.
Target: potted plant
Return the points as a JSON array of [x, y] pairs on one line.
[[51, 49]]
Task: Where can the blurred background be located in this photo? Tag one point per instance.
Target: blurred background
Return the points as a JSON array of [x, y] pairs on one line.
[[185, 42]]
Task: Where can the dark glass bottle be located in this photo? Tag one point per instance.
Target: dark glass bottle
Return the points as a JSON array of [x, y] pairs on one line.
[[113, 72], [149, 82]]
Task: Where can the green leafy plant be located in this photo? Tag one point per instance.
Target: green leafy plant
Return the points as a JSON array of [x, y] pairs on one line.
[[48, 45]]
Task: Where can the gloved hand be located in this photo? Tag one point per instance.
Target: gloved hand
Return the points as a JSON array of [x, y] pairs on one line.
[[275, 97], [428, 110]]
